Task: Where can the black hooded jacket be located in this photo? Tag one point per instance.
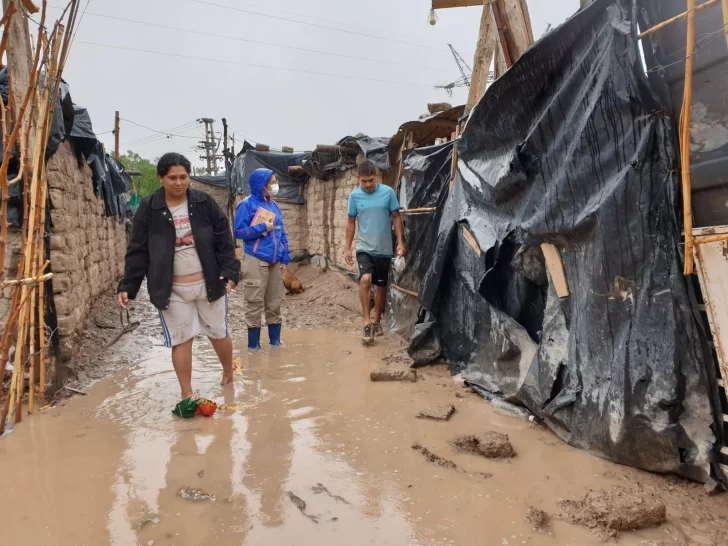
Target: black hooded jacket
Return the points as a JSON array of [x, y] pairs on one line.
[[151, 250]]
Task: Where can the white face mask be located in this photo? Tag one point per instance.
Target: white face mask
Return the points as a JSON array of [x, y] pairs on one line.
[[274, 189]]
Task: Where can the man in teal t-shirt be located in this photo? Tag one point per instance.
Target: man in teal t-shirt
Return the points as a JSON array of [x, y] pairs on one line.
[[376, 209]]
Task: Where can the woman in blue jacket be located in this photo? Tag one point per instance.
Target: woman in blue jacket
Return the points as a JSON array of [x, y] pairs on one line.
[[259, 223]]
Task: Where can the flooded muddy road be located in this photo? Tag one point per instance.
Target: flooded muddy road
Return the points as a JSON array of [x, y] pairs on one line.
[[316, 454]]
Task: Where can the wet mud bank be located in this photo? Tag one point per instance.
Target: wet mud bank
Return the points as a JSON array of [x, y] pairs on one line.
[[315, 453]]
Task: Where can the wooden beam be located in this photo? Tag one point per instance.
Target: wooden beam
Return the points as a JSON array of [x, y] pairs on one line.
[[483, 56], [516, 25], [556, 269], [502, 38], [444, 4]]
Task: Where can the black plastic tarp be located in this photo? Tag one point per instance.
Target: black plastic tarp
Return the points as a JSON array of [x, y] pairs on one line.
[[425, 179], [221, 181], [70, 121], [571, 148], [290, 185], [325, 165]]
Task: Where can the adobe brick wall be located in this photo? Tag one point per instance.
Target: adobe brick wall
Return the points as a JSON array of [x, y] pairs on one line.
[[87, 248], [326, 216], [220, 195], [318, 227]]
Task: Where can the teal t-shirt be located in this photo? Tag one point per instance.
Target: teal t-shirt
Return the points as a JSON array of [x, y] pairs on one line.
[[374, 211]]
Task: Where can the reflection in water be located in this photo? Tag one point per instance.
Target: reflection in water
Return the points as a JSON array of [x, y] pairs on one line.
[[115, 478], [270, 437]]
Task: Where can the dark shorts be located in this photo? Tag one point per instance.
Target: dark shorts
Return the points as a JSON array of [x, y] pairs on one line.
[[377, 267]]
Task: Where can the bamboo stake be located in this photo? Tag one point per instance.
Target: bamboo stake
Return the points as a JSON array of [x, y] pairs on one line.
[[685, 119], [705, 239], [27, 281], [42, 340], [724, 5], [31, 352], [688, 13]]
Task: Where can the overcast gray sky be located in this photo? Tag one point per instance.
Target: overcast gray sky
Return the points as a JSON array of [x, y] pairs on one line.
[[267, 93]]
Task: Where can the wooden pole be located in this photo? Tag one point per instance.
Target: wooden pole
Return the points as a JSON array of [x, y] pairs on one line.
[[116, 135], [681, 16], [685, 119], [724, 5], [418, 211], [26, 281], [705, 239], [483, 56], [405, 291]]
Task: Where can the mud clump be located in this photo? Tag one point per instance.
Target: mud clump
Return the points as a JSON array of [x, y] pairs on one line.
[[394, 374], [196, 495], [434, 459], [492, 445], [606, 513], [537, 518], [443, 412]]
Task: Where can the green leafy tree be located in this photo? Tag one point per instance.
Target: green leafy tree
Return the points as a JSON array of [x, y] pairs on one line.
[[147, 183]]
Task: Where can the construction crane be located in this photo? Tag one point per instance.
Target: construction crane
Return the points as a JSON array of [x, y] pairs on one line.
[[466, 73]]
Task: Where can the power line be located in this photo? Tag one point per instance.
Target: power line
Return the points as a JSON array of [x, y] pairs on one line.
[[153, 138], [161, 135], [315, 18], [222, 36], [209, 59], [280, 18], [154, 130]]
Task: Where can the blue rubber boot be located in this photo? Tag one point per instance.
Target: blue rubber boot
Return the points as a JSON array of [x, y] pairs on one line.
[[274, 334], [254, 338]]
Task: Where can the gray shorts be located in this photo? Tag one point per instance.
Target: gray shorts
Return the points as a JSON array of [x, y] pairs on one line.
[[190, 314]]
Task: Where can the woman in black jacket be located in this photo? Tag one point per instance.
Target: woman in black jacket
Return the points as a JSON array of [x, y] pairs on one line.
[[181, 242]]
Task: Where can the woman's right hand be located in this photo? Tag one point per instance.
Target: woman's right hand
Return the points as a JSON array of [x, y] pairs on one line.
[[269, 226], [123, 299]]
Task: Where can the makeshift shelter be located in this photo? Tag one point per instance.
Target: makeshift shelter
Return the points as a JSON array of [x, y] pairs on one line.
[[551, 274]]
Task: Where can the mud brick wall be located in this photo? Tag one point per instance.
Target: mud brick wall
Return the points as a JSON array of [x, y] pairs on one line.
[[327, 214], [12, 261], [294, 218], [220, 195], [87, 248]]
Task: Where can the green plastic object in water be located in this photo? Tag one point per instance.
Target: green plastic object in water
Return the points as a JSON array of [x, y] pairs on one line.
[[187, 408]]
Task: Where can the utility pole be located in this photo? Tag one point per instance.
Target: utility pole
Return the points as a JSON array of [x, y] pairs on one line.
[[208, 146], [116, 135]]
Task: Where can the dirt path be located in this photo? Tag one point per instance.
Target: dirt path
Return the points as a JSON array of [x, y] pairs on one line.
[[317, 454]]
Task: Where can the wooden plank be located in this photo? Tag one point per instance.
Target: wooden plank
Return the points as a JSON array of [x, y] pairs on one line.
[[483, 57], [500, 64], [470, 238], [556, 269], [445, 4], [712, 269]]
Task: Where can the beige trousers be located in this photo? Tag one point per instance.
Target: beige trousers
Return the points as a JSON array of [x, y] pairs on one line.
[[263, 290]]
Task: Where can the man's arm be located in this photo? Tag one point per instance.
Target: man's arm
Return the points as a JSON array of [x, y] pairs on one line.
[[399, 232], [350, 228]]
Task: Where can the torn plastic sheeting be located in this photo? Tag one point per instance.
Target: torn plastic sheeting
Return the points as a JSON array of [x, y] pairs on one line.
[[291, 186], [425, 179], [570, 147], [325, 165]]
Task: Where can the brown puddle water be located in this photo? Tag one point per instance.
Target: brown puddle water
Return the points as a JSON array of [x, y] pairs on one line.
[[108, 468]]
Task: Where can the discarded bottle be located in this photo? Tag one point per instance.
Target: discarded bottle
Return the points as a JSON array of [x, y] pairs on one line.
[[506, 408]]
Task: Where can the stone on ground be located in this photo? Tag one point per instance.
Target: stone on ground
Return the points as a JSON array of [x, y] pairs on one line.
[[394, 374], [442, 412], [492, 445]]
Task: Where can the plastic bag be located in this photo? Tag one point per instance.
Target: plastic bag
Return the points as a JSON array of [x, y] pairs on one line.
[[399, 264]]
